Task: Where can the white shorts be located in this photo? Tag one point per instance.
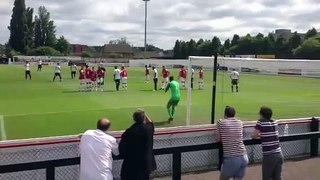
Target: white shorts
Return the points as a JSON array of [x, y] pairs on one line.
[[88, 81], [100, 80], [147, 77], [124, 80], [83, 81], [166, 79], [201, 80], [182, 79]]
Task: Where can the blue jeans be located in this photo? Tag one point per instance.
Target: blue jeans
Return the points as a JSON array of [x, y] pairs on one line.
[[234, 167]]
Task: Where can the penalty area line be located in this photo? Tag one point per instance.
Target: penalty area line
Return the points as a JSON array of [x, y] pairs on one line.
[[2, 129]]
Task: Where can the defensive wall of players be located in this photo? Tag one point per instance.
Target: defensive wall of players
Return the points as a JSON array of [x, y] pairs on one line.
[[44, 149]]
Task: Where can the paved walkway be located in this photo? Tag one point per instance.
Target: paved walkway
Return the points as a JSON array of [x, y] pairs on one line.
[[293, 170]]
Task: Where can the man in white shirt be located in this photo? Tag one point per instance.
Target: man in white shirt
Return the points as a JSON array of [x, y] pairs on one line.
[[192, 77], [73, 71], [117, 77], [57, 72], [96, 149], [27, 68], [235, 76], [40, 65], [155, 78]]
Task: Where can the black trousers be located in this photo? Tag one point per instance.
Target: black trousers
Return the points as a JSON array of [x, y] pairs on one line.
[[39, 67], [73, 74], [117, 81], [192, 83], [28, 74], [155, 81], [55, 75]]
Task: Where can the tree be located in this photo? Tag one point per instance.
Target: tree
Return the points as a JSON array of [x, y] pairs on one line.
[[122, 40], [183, 50], [191, 48], [205, 49], [86, 54], [227, 44], [43, 51], [225, 47], [259, 44], [311, 33], [294, 41], [63, 46], [235, 40], [281, 48], [177, 50], [216, 45], [17, 40], [30, 29], [309, 49], [269, 42], [45, 33]]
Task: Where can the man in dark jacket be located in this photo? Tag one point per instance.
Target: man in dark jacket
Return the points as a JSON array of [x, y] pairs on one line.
[[136, 147]]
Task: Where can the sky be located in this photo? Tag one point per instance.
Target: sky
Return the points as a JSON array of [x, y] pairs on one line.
[[96, 22]]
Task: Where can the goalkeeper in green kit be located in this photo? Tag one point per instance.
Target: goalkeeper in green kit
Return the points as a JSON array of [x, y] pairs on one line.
[[175, 97]]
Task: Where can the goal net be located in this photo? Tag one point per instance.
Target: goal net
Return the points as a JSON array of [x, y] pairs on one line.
[[256, 76]]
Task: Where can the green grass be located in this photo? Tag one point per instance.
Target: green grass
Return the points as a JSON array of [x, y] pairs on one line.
[[40, 108]]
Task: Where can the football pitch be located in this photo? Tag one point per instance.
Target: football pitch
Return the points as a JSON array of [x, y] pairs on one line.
[[41, 108]]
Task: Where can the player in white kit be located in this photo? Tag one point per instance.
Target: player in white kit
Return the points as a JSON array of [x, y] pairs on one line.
[[57, 72], [235, 76]]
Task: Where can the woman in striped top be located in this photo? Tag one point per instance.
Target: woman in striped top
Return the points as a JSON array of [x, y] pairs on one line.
[[230, 133], [267, 130]]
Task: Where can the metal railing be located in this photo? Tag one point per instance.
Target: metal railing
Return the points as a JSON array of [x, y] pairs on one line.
[[176, 152]]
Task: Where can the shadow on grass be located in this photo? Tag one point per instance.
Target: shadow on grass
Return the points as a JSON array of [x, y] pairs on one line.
[[75, 91]]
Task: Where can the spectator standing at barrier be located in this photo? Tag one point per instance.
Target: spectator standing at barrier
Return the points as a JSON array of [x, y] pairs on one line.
[[230, 133], [136, 147], [96, 149], [267, 130]]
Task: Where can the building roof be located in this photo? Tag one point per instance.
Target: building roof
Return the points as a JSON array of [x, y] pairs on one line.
[[117, 48]]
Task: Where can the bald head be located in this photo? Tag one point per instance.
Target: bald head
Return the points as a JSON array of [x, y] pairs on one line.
[[103, 124]]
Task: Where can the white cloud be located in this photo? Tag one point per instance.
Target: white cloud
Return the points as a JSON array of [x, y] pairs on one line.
[[95, 22]]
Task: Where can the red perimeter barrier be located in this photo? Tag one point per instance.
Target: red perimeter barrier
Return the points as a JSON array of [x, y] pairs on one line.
[[159, 132]]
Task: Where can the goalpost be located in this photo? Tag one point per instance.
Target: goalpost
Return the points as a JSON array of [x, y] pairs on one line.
[[305, 68], [207, 62]]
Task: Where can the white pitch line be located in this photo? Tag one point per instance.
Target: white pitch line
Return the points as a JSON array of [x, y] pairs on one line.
[[58, 112], [2, 129]]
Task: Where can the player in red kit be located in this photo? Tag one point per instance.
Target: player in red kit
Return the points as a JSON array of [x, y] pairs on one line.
[[88, 78], [101, 74], [93, 76], [182, 77], [165, 76], [82, 78], [201, 78], [147, 73], [124, 78]]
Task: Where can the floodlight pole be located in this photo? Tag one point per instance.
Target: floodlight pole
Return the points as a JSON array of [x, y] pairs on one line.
[[214, 87], [145, 25]]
